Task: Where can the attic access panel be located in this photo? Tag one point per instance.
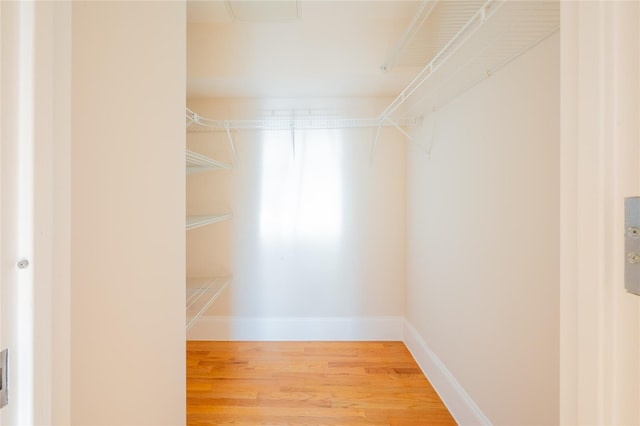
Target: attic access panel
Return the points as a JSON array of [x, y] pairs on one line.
[[263, 11]]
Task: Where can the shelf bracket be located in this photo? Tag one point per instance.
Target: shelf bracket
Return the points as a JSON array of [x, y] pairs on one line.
[[193, 118], [394, 124], [231, 145], [375, 143], [430, 125]]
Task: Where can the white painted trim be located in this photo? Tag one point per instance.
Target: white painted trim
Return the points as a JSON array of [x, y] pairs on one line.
[[461, 406], [60, 321], [296, 329], [599, 328]]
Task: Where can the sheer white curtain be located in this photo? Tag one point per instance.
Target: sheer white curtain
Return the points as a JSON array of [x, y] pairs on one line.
[[301, 192]]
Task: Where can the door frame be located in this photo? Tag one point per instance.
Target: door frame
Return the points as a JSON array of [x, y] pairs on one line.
[[599, 167], [600, 321], [44, 30], [17, 227]]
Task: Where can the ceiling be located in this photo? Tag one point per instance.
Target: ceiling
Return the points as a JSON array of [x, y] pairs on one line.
[[296, 48]]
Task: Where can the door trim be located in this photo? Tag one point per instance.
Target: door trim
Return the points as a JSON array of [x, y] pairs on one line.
[[599, 384]]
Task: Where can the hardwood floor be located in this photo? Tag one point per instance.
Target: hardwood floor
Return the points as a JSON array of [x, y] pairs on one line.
[[308, 383]]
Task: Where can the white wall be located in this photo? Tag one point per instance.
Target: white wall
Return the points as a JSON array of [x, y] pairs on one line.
[[316, 237], [482, 240], [127, 213]]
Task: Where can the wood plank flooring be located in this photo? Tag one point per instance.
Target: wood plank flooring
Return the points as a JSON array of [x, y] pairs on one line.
[[308, 383]]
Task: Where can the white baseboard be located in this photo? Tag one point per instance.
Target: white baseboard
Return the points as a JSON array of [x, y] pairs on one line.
[[289, 329], [463, 409]]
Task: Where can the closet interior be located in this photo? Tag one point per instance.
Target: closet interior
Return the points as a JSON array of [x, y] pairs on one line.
[[431, 50], [374, 168]]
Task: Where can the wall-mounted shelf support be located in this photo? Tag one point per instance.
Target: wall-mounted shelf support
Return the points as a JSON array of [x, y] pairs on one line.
[[227, 127], [400, 129], [375, 143], [377, 136], [192, 118]]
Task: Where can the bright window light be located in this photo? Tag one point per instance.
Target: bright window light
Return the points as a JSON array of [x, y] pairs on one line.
[[301, 196]]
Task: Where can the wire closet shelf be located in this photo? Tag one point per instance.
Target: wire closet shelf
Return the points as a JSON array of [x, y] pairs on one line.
[[475, 45], [497, 33], [201, 293], [198, 123]]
